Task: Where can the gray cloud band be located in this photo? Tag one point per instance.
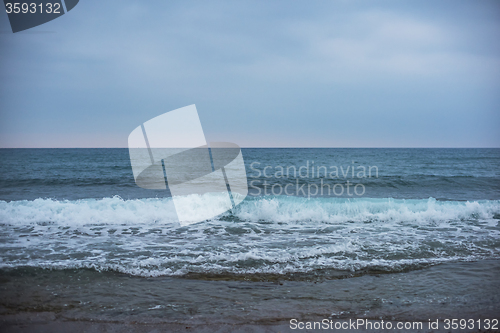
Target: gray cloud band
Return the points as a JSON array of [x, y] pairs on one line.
[[204, 180]]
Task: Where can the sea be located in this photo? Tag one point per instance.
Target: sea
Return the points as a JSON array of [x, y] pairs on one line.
[[394, 234]]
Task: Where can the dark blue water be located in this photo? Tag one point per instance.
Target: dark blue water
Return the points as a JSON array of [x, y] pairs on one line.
[[448, 174]]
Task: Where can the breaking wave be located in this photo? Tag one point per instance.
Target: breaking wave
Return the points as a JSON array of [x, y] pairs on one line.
[[263, 235]]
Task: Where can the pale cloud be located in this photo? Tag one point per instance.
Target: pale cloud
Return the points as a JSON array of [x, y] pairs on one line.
[[255, 68]]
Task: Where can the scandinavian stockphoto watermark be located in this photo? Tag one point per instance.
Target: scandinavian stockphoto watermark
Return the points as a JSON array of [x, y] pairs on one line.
[[310, 179], [170, 152], [24, 15], [204, 179], [362, 324]]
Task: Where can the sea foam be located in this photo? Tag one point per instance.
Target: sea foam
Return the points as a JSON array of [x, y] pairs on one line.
[[276, 235], [159, 211]]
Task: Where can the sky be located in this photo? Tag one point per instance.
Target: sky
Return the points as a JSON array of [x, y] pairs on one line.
[[261, 73]]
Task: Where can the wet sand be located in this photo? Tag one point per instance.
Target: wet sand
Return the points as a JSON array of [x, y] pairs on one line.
[[36, 300]]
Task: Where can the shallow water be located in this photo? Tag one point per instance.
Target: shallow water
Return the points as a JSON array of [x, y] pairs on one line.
[[454, 290]]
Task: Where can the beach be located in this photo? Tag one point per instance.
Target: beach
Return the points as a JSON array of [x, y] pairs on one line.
[[38, 300], [95, 253]]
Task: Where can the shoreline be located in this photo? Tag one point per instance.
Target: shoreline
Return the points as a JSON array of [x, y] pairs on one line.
[[49, 322], [78, 301]]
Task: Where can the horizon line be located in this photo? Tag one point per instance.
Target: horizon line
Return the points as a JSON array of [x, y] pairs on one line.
[[277, 147]]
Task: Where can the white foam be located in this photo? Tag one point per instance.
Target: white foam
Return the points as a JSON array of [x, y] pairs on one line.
[[335, 210], [89, 211], [262, 235], [273, 209]]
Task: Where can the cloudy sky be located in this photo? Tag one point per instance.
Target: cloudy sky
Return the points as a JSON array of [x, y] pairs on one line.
[[261, 73]]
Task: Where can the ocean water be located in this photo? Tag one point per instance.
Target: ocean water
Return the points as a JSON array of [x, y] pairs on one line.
[[313, 217]]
